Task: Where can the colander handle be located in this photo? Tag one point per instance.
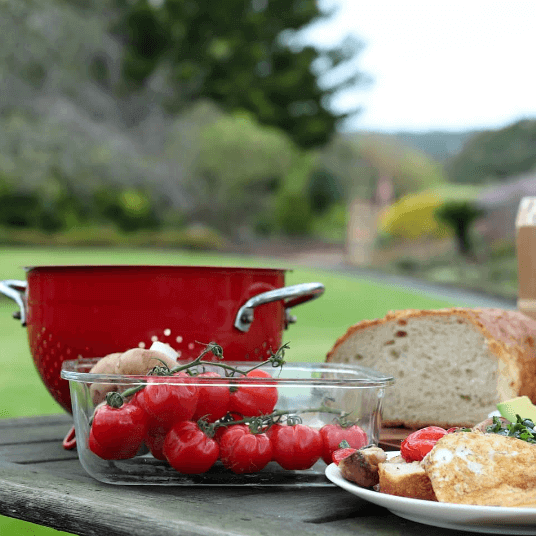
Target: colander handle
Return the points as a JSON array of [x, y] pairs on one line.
[[293, 295], [14, 289]]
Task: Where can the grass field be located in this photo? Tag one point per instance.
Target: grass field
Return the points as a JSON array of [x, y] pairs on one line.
[[345, 301]]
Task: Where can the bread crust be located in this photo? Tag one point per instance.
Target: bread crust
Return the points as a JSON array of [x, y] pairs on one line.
[[483, 469], [510, 337], [405, 480]]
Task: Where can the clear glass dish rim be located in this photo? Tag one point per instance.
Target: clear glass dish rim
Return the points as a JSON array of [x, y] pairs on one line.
[[368, 378]]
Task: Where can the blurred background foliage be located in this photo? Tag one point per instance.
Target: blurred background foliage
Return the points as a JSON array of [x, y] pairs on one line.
[[415, 215], [176, 123]]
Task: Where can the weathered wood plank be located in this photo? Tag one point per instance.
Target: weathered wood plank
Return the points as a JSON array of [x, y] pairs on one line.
[[308, 505], [34, 429], [28, 422], [49, 486], [388, 525], [69, 469], [34, 434], [35, 452], [95, 509]]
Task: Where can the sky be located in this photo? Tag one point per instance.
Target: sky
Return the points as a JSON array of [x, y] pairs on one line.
[[437, 65]]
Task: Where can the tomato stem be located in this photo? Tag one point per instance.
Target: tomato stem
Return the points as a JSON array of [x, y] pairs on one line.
[[129, 392], [275, 359], [114, 399], [216, 350], [262, 422]]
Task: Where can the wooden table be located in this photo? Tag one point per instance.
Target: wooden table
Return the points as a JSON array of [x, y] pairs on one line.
[[43, 483]]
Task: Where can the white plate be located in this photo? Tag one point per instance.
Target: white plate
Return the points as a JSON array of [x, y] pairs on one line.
[[488, 519]]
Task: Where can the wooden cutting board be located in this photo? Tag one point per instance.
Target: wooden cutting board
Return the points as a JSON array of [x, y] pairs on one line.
[[390, 438]]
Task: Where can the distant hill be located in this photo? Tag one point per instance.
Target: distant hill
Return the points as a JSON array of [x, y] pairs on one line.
[[440, 145], [496, 155]]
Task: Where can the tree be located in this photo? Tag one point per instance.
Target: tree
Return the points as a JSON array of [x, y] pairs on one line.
[[459, 215], [240, 168], [240, 53]]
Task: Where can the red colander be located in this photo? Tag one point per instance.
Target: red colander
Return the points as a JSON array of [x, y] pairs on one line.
[[90, 311]]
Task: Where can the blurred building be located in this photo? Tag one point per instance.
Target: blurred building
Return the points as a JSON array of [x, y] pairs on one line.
[[501, 204], [363, 222]]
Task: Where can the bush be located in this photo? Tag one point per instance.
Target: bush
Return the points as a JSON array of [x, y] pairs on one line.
[[413, 216], [265, 224], [332, 225], [39, 209], [196, 237], [19, 208], [407, 265], [130, 209], [503, 249], [294, 215], [323, 190]]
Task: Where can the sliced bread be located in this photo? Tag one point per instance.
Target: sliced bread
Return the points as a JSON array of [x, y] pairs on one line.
[[405, 480], [451, 366]]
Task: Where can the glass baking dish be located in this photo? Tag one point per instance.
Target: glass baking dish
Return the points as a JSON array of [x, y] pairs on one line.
[[311, 394]]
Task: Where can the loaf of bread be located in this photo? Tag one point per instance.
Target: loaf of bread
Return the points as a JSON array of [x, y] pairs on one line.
[[451, 366]]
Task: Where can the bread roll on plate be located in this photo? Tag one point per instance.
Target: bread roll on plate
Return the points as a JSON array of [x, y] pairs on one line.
[[483, 469]]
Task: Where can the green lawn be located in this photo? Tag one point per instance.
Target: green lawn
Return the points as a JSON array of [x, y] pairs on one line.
[[320, 322]]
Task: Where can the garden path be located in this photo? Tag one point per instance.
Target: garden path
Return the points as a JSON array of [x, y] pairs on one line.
[[333, 258]]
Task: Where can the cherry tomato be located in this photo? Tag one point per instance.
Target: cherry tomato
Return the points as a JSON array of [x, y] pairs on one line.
[[117, 433], [154, 440], [213, 400], [156, 432], [253, 400], [244, 452], [295, 447], [418, 444], [169, 403], [189, 450], [333, 434], [340, 454]]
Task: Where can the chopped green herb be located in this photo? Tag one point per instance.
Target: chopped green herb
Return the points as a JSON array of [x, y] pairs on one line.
[[521, 429]]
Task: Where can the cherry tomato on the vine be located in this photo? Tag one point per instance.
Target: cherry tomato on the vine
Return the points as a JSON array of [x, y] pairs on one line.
[[169, 402], [189, 450], [296, 446], [213, 400], [253, 400], [156, 432], [117, 433], [333, 434], [419, 443], [154, 440], [241, 451]]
